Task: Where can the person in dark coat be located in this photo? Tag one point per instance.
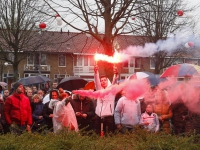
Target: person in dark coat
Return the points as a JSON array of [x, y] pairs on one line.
[[38, 120], [3, 126], [48, 113], [84, 110], [192, 125], [179, 110]]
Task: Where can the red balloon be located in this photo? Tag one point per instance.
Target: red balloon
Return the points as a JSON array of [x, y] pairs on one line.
[[57, 15], [42, 25], [191, 44], [180, 12]]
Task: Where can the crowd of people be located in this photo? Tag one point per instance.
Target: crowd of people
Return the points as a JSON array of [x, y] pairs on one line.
[[24, 110]]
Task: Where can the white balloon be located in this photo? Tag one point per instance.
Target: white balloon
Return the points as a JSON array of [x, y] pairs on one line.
[[59, 23], [58, 19], [187, 45], [88, 35]]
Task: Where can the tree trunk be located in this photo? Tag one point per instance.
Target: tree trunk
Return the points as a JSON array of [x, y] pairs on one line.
[[108, 68], [15, 71], [108, 49]]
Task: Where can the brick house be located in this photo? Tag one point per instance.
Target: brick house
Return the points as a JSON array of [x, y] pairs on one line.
[[73, 55]]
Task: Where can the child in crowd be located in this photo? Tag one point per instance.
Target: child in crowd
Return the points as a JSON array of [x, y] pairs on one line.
[[149, 119]]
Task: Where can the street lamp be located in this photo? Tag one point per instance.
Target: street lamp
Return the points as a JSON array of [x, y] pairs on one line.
[[6, 63]]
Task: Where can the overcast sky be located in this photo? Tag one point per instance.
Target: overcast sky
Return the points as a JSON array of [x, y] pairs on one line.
[[190, 3], [196, 13]]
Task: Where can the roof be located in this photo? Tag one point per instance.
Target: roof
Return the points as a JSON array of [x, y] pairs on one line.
[[72, 42], [76, 42]]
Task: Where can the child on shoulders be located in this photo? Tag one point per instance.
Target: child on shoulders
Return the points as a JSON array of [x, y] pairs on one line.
[[149, 119]]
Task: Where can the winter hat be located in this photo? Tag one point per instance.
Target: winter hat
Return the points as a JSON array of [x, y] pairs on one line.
[[16, 85]]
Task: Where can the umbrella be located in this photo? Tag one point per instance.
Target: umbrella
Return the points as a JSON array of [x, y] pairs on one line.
[[34, 80], [160, 79], [182, 70], [3, 84], [152, 78], [139, 75], [72, 83], [89, 85]]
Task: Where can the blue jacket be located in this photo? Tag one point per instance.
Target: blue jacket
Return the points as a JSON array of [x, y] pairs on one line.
[[37, 111]]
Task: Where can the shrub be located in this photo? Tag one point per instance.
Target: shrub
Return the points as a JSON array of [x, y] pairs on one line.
[[137, 140]]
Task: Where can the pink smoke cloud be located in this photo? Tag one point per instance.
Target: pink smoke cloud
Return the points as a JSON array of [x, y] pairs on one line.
[[189, 91], [131, 88]]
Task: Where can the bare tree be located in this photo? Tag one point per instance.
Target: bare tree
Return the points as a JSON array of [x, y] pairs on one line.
[[102, 19], [19, 30], [156, 21]]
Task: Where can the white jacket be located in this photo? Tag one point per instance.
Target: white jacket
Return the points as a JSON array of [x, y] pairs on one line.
[[152, 120], [105, 105]]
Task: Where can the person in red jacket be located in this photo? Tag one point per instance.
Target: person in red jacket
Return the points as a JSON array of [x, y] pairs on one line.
[[17, 110]]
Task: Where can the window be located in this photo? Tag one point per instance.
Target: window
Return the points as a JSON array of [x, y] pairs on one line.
[[178, 61], [62, 60], [36, 59], [79, 60], [125, 64], [59, 77], [133, 63], [11, 57], [152, 63], [6, 76], [129, 63], [137, 63], [35, 74], [30, 59], [43, 59], [191, 61], [91, 60], [85, 60]]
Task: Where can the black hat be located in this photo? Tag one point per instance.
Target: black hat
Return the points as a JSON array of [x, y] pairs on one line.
[[16, 85]]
